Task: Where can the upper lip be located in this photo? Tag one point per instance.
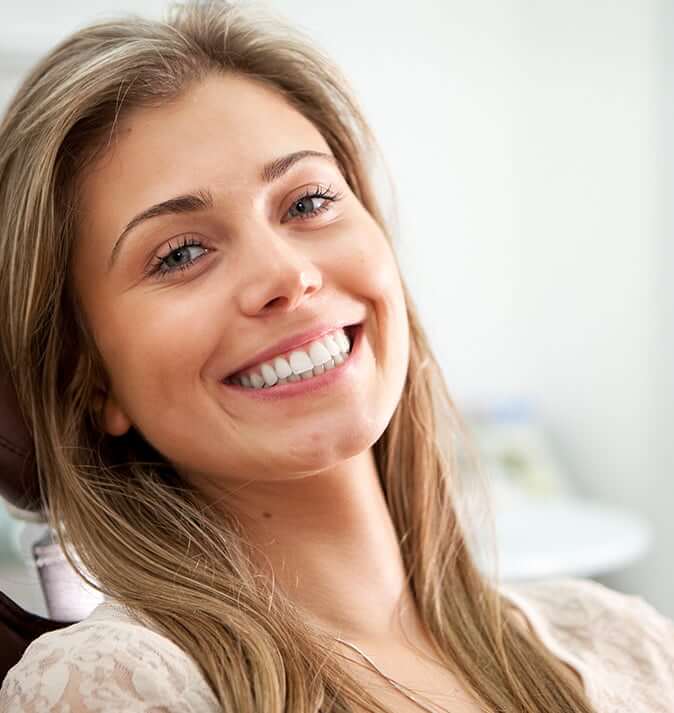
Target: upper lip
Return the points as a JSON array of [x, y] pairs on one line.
[[288, 343]]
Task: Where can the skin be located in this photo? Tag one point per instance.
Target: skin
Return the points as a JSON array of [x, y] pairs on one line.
[[300, 471]]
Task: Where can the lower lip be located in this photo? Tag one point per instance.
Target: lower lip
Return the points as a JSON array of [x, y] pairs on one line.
[[307, 386]]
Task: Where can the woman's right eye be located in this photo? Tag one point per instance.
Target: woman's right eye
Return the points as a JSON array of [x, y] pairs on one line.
[[181, 250]]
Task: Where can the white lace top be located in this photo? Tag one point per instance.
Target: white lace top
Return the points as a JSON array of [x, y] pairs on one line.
[[622, 648]]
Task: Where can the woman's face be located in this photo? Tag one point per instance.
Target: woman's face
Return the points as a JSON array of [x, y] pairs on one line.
[[227, 260]]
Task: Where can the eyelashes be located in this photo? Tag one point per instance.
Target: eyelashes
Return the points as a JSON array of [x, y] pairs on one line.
[[324, 195], [303, 208], [157, 269]]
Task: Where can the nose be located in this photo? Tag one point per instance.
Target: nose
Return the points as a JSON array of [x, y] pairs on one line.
[[283, 276]]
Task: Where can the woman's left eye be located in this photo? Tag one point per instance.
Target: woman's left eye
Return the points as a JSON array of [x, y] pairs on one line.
[[312, 203]]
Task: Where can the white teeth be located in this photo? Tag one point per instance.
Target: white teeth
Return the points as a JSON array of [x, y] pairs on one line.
[[322, 355], [282, 367], [319, 354], [299, 362], [256, 380], [269, 375], [331, 345], [342, 341]]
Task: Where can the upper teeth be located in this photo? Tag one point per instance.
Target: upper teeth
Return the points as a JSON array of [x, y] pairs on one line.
[[314, 358]]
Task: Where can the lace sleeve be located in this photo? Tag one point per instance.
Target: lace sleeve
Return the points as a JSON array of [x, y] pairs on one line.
[[623, 643], [105, 667], [641, 640]]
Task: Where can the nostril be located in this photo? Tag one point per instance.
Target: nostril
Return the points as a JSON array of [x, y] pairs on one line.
[[274, 302]]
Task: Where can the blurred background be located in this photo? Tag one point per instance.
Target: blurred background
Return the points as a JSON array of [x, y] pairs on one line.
[[531, 148]]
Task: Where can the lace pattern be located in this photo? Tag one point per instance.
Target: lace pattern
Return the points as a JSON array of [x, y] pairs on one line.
[[105, 663], [621, 646]]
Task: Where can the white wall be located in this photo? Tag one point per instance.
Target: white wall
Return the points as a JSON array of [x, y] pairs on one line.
[[527, 144], [592, 223], [662, 508]]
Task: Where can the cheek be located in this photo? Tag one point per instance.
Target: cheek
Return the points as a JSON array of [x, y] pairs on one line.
[[371, 266], [372, 274], [153, 349], [382, 285]]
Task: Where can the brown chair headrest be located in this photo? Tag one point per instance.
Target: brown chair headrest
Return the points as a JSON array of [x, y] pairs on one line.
[[18, 475]]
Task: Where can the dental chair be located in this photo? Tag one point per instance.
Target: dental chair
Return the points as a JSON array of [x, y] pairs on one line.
[[19, 487]]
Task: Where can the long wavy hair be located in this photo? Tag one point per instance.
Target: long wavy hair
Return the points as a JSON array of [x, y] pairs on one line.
[[127, 523]]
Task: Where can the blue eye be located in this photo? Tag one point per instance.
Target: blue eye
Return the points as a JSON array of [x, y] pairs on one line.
[[313, 202], [178, 252]]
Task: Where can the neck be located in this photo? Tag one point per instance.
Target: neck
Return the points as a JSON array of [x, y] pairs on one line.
[[329, 542]]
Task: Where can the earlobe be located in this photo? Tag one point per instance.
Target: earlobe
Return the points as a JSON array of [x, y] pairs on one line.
[[111, 417]]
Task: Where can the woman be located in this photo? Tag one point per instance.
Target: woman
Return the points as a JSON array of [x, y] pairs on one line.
[[236, 412]]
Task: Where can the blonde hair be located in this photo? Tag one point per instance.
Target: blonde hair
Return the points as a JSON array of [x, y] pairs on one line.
[[149, 540]]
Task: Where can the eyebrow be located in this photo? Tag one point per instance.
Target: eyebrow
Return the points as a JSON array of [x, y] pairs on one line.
[[203, 199]]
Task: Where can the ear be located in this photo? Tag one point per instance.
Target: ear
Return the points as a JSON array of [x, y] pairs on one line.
[[111, 416]]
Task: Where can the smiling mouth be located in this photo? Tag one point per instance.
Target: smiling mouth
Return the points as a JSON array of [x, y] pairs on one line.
[[304, 362]]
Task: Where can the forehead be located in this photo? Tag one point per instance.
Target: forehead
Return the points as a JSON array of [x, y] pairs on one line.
[[218, 133]]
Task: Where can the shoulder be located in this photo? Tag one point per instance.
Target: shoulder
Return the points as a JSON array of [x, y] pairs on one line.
[[569, 603], [620, 643], [107, 662]]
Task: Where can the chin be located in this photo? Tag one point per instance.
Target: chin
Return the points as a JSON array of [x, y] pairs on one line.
[[321, 450]]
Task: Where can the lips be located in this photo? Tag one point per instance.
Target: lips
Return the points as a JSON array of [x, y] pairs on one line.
[[295, 342]]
